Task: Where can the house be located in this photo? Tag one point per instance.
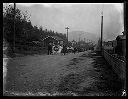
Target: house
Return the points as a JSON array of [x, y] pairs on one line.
[[52, 39], [108, 46], [121, 44], [114, 43]]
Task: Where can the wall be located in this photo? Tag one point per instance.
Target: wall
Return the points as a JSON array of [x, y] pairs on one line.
[[119, 66]]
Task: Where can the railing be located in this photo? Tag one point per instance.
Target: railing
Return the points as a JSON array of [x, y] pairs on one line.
[[118, 65]]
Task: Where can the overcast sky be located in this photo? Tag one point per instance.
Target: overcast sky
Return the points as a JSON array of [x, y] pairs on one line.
[[78, 17]]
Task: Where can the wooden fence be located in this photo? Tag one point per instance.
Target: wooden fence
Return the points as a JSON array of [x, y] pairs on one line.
[[118, 65]]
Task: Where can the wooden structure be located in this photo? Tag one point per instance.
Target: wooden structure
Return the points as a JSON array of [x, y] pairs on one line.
[[67, 32], [118, 59], [52, 39], [121, 45], [118, 65]]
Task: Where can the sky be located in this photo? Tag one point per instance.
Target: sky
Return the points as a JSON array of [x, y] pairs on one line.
[[77, 16]]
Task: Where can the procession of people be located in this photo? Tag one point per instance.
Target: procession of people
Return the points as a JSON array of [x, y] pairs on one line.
[[60, 49]]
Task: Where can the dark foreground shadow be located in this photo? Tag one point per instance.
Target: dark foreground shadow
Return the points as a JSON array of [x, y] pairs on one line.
[[107, 82]]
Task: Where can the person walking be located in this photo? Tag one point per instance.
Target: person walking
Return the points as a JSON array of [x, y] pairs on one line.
[[64, 49], [75, 49], [49, 49]]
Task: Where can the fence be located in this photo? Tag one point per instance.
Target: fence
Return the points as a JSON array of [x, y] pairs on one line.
[[118, 65]]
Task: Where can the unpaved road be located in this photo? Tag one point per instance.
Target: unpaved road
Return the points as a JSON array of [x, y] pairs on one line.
[[78, 73]]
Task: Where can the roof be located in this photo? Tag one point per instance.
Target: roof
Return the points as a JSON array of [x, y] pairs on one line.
[[110, 41], [121, 37], [124, 37], [54, 37], [58, 38], [73, 41], [108, 47]]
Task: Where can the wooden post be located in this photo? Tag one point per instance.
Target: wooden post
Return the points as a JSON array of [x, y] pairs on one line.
[[79, 38], [84, 40], [124, 13], [14, 27], [67, 33], [101, 30]]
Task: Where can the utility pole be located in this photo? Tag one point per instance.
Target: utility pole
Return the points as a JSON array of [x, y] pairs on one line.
[[67, 32], [124, 13], [14, 27], [84, 39], [79, 40], [79, 37], [101, 29]]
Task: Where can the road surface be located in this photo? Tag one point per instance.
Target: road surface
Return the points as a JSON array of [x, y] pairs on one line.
[[73, 74]]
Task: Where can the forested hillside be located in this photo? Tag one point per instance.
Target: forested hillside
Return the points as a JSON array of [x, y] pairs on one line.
[[23, 32]]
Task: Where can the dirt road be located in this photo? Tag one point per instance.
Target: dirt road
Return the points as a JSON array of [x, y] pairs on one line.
[[72, 74]]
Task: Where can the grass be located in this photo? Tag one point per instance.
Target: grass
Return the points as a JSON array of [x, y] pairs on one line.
[[27, 50]]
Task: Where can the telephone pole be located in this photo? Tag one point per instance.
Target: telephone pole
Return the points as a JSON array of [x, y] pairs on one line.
[[124, 13], [67, 32], [101, 29], [14, 27], [79, 37]]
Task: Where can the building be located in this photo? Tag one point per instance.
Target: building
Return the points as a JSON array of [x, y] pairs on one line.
[[121, 45], [108, 46], [52, 39], [117, 46]]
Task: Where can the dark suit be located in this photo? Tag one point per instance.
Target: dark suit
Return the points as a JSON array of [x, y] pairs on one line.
[[64, 49], [49, 49]]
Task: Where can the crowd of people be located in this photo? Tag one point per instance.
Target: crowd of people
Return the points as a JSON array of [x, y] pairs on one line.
[[60, 49]]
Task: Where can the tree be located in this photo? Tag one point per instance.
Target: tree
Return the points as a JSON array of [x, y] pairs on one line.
[[24, 31], [22, 24], [8, 24]]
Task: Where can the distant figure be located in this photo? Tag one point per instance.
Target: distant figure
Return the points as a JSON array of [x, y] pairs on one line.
[[70, 49], [64, 49], [56, 49], [60, 49], [75, 49], [49, 49]]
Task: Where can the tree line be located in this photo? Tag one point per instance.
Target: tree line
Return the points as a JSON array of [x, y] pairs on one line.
[[25, 32]]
